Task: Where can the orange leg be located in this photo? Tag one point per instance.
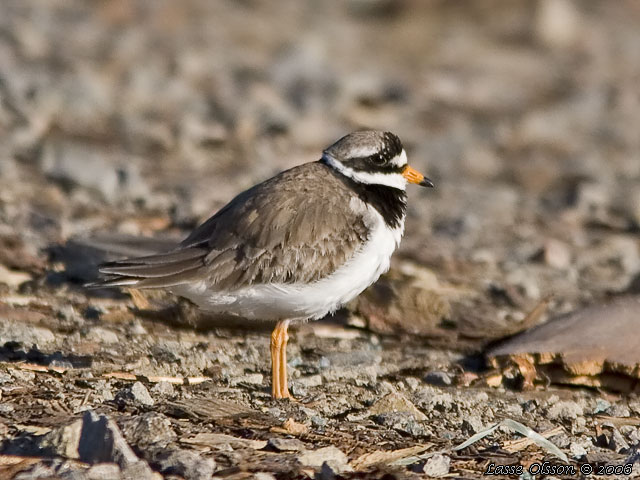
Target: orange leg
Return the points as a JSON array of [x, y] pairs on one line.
[[279, 337]]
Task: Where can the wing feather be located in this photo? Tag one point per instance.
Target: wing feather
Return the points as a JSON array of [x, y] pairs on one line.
[[288, 229]]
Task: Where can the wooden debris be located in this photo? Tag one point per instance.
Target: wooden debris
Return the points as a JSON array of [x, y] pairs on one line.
[[522, 443], [294, 427], [384, 457], [220, 439], [156, 379]]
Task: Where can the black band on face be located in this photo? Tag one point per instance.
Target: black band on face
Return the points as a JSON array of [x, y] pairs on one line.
[[390, 148]]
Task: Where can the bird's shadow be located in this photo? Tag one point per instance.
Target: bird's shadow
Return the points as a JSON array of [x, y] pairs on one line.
[[14, 352]]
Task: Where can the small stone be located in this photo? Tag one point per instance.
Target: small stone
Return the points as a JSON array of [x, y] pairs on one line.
[[286, 444], [102, 335], [402, 422], [318, 421], [437, 466], [601, 406], [26, 334], [438, 378], [473, 424], [136, 393], [184, 463], [577, 450], [138, 329], [104, 471], [139, 471], [249, 379], [263, 476], [63, 441], [310, 381], [557, 254], [164, 388], [332, 455], [327, 472], [565, 410], [558, 23], [396, 402], [148, 428], [101, 441]]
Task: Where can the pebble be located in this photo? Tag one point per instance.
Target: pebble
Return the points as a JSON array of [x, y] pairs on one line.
[[558, 23], [136, 393], [100, 440], [437, 465], [396, 402], [286, 444], [102, 335], [185, 463], [164, 389], [332, 455], [441, 379], [565, 410], [76, 163], [26, 334], [148, 428], [577, 449], [249, 379], [104, 471], [557, 254]]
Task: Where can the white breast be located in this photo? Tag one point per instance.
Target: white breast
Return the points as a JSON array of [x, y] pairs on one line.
[[308, 301]]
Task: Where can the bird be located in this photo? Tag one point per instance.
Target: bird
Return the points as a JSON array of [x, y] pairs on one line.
[[296, 247]]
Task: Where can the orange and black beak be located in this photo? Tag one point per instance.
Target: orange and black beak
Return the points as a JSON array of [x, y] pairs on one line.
[[414, 176]]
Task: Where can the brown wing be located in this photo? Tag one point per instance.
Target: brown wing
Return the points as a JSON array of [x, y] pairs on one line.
[[295, 227]]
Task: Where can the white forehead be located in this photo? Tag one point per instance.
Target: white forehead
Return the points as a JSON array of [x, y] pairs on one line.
[[399, 160]]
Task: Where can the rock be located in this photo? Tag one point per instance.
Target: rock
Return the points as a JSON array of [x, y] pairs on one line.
[[101, 441], [164, 389], [249, 379], [147, 429], [13, 278], [473, 424], [558, 23], [332, 455], [286, 444], [404, 303], [557, 254], [25, 334], [396, 402], [140, 471], [327, 472], [136, 393], [63, 441], [185, 463], [104, 471], [79, 164], [102, 335], [441, 379], [565, 410], [402, 422], [263, 476], [577, 450], [437, 466]]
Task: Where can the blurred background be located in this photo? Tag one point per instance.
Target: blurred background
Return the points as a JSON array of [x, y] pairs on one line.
[[147, 116]]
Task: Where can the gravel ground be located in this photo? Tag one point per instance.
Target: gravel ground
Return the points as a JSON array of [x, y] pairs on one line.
[[142, 118]]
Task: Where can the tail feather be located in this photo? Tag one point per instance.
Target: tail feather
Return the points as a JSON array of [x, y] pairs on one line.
[[153, 271]]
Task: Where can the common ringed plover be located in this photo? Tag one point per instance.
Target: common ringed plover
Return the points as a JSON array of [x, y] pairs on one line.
[[292, 248]]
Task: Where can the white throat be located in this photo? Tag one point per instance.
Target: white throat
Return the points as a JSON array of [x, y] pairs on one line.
[[395, 180]]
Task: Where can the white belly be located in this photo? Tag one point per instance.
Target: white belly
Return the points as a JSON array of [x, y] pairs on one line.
[[306, 301]]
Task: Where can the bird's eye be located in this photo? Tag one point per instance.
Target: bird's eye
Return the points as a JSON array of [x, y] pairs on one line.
[[378, 159]]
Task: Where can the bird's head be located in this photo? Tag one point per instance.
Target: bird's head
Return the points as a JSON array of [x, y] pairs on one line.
[[373, 157]]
